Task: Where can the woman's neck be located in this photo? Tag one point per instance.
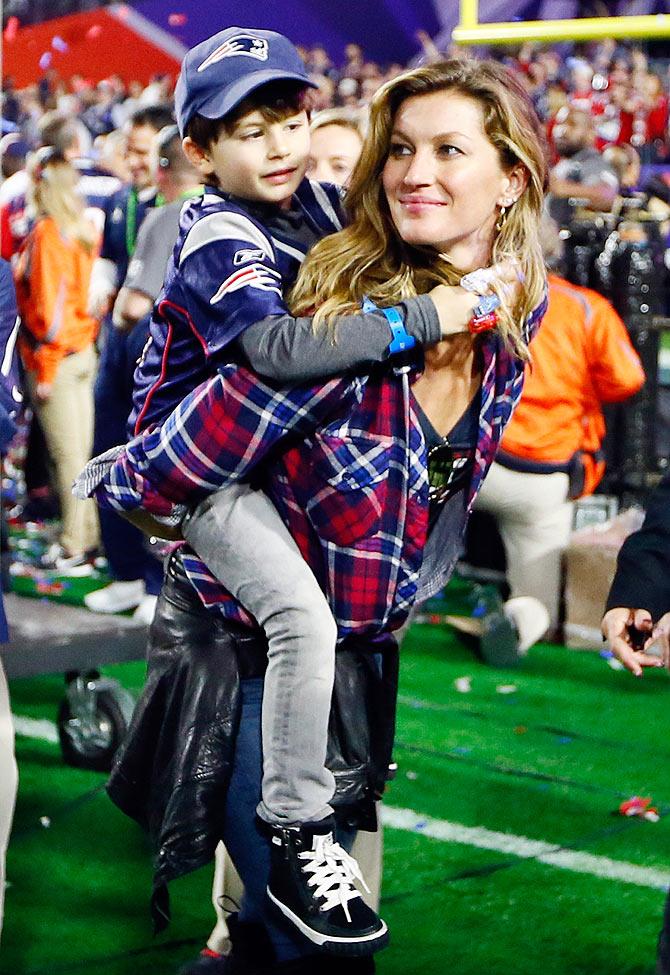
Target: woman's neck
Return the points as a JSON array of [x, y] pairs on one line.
[[451, 378], [453, 353], [470, 254]]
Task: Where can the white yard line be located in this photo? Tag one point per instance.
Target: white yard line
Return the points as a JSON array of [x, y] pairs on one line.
[[34, 728], [484, 839], [522, 846]]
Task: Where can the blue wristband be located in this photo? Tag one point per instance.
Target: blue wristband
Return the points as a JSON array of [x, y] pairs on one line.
[[401, 340]]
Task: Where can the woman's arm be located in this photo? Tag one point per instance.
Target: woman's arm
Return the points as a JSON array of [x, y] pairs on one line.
[[216, 436]]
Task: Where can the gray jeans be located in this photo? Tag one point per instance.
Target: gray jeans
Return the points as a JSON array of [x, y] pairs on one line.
[[239, 535]]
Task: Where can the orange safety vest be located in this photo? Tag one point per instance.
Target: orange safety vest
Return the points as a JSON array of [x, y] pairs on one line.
[[582, 357], [52, 280]]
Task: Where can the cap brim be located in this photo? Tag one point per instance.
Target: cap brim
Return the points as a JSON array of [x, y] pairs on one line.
[[220, 103]]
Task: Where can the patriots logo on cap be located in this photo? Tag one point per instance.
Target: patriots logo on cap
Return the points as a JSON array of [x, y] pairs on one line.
[[253, 276], [241, 45]]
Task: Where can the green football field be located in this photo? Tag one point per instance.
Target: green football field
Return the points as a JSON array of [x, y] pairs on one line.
[[505, 853]]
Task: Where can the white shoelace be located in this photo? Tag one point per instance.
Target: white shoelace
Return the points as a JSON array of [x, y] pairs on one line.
[[333, 872]]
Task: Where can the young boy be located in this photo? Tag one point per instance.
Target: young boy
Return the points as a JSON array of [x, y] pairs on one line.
[[240, 109]]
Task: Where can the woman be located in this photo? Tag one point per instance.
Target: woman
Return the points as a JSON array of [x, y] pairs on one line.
[[335, 145], [56, 342], [451, 179]]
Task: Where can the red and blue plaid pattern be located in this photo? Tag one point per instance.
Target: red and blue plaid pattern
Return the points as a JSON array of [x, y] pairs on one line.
[[350, 480]]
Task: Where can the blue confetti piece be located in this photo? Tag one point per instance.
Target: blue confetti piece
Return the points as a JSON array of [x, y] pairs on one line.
[[420, 825], [564, 740], [605, 654], [461, 750], [45, 60], [59, 44]]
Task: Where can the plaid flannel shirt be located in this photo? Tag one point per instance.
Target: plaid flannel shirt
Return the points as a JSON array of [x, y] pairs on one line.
[[344, 462]]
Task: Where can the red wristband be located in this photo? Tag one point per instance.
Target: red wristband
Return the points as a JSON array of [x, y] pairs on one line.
[[483, 323]]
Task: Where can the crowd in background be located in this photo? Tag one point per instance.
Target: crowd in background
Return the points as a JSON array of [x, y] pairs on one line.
[[625, 91], [605, 106]]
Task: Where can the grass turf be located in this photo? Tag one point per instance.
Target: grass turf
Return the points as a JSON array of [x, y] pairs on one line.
[[551, 760]]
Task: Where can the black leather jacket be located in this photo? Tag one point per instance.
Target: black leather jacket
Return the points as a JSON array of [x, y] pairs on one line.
[[172, 770]]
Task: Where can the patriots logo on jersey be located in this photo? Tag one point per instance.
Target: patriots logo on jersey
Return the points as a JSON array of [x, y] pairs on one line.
[[253, 276], [241, 45]]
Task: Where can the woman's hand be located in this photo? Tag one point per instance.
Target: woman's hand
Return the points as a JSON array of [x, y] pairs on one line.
[[455, 304]]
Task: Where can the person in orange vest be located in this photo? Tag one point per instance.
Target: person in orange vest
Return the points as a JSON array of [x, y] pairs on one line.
[[57, 340], [550, 454]]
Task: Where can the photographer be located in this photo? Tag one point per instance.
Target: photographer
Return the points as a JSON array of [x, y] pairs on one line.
[[637, 618]]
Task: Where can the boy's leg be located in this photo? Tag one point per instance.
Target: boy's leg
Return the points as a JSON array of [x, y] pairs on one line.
[[243, 541], [240, 536]]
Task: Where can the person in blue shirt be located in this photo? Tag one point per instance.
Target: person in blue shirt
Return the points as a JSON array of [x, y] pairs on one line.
[[129, 559]]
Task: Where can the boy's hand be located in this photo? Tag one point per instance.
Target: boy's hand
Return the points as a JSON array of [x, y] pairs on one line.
[[454, 308], [629, 633]]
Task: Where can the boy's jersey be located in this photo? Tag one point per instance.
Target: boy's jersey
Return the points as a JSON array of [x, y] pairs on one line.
[[230, 267]]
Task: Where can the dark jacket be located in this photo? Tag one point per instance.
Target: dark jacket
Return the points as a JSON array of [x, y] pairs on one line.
[[642, 579], [10, 398], [173, 769]]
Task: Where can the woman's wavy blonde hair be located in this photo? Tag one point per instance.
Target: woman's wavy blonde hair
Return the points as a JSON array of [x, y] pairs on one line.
[[368, 258], [53, 193]]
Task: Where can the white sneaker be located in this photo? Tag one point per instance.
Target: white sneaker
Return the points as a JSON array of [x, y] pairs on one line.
[[116, 597], [146, 610], [530, 617]]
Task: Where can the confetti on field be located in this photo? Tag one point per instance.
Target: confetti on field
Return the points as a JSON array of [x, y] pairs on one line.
[[506, 689], [463, 685], [641, 807]]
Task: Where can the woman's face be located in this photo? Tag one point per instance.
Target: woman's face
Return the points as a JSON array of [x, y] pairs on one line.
[[443, 179]]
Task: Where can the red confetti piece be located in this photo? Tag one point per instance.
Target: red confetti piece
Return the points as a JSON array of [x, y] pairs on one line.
[[640, 806], [93, 32], [177, 20]]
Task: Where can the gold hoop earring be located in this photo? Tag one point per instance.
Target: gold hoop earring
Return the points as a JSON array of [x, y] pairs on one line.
[[500, 222]]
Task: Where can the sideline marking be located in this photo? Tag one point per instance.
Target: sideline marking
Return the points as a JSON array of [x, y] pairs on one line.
[[36, 728], [521, 846], [410, 821]]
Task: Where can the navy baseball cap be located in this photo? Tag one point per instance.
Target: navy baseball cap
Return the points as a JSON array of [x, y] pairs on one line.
[[219, 73]]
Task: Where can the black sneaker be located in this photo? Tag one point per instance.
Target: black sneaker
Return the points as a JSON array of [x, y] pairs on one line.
[[312, 884]]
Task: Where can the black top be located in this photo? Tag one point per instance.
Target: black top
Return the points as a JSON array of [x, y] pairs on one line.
[[450, 458], [642, 579]]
